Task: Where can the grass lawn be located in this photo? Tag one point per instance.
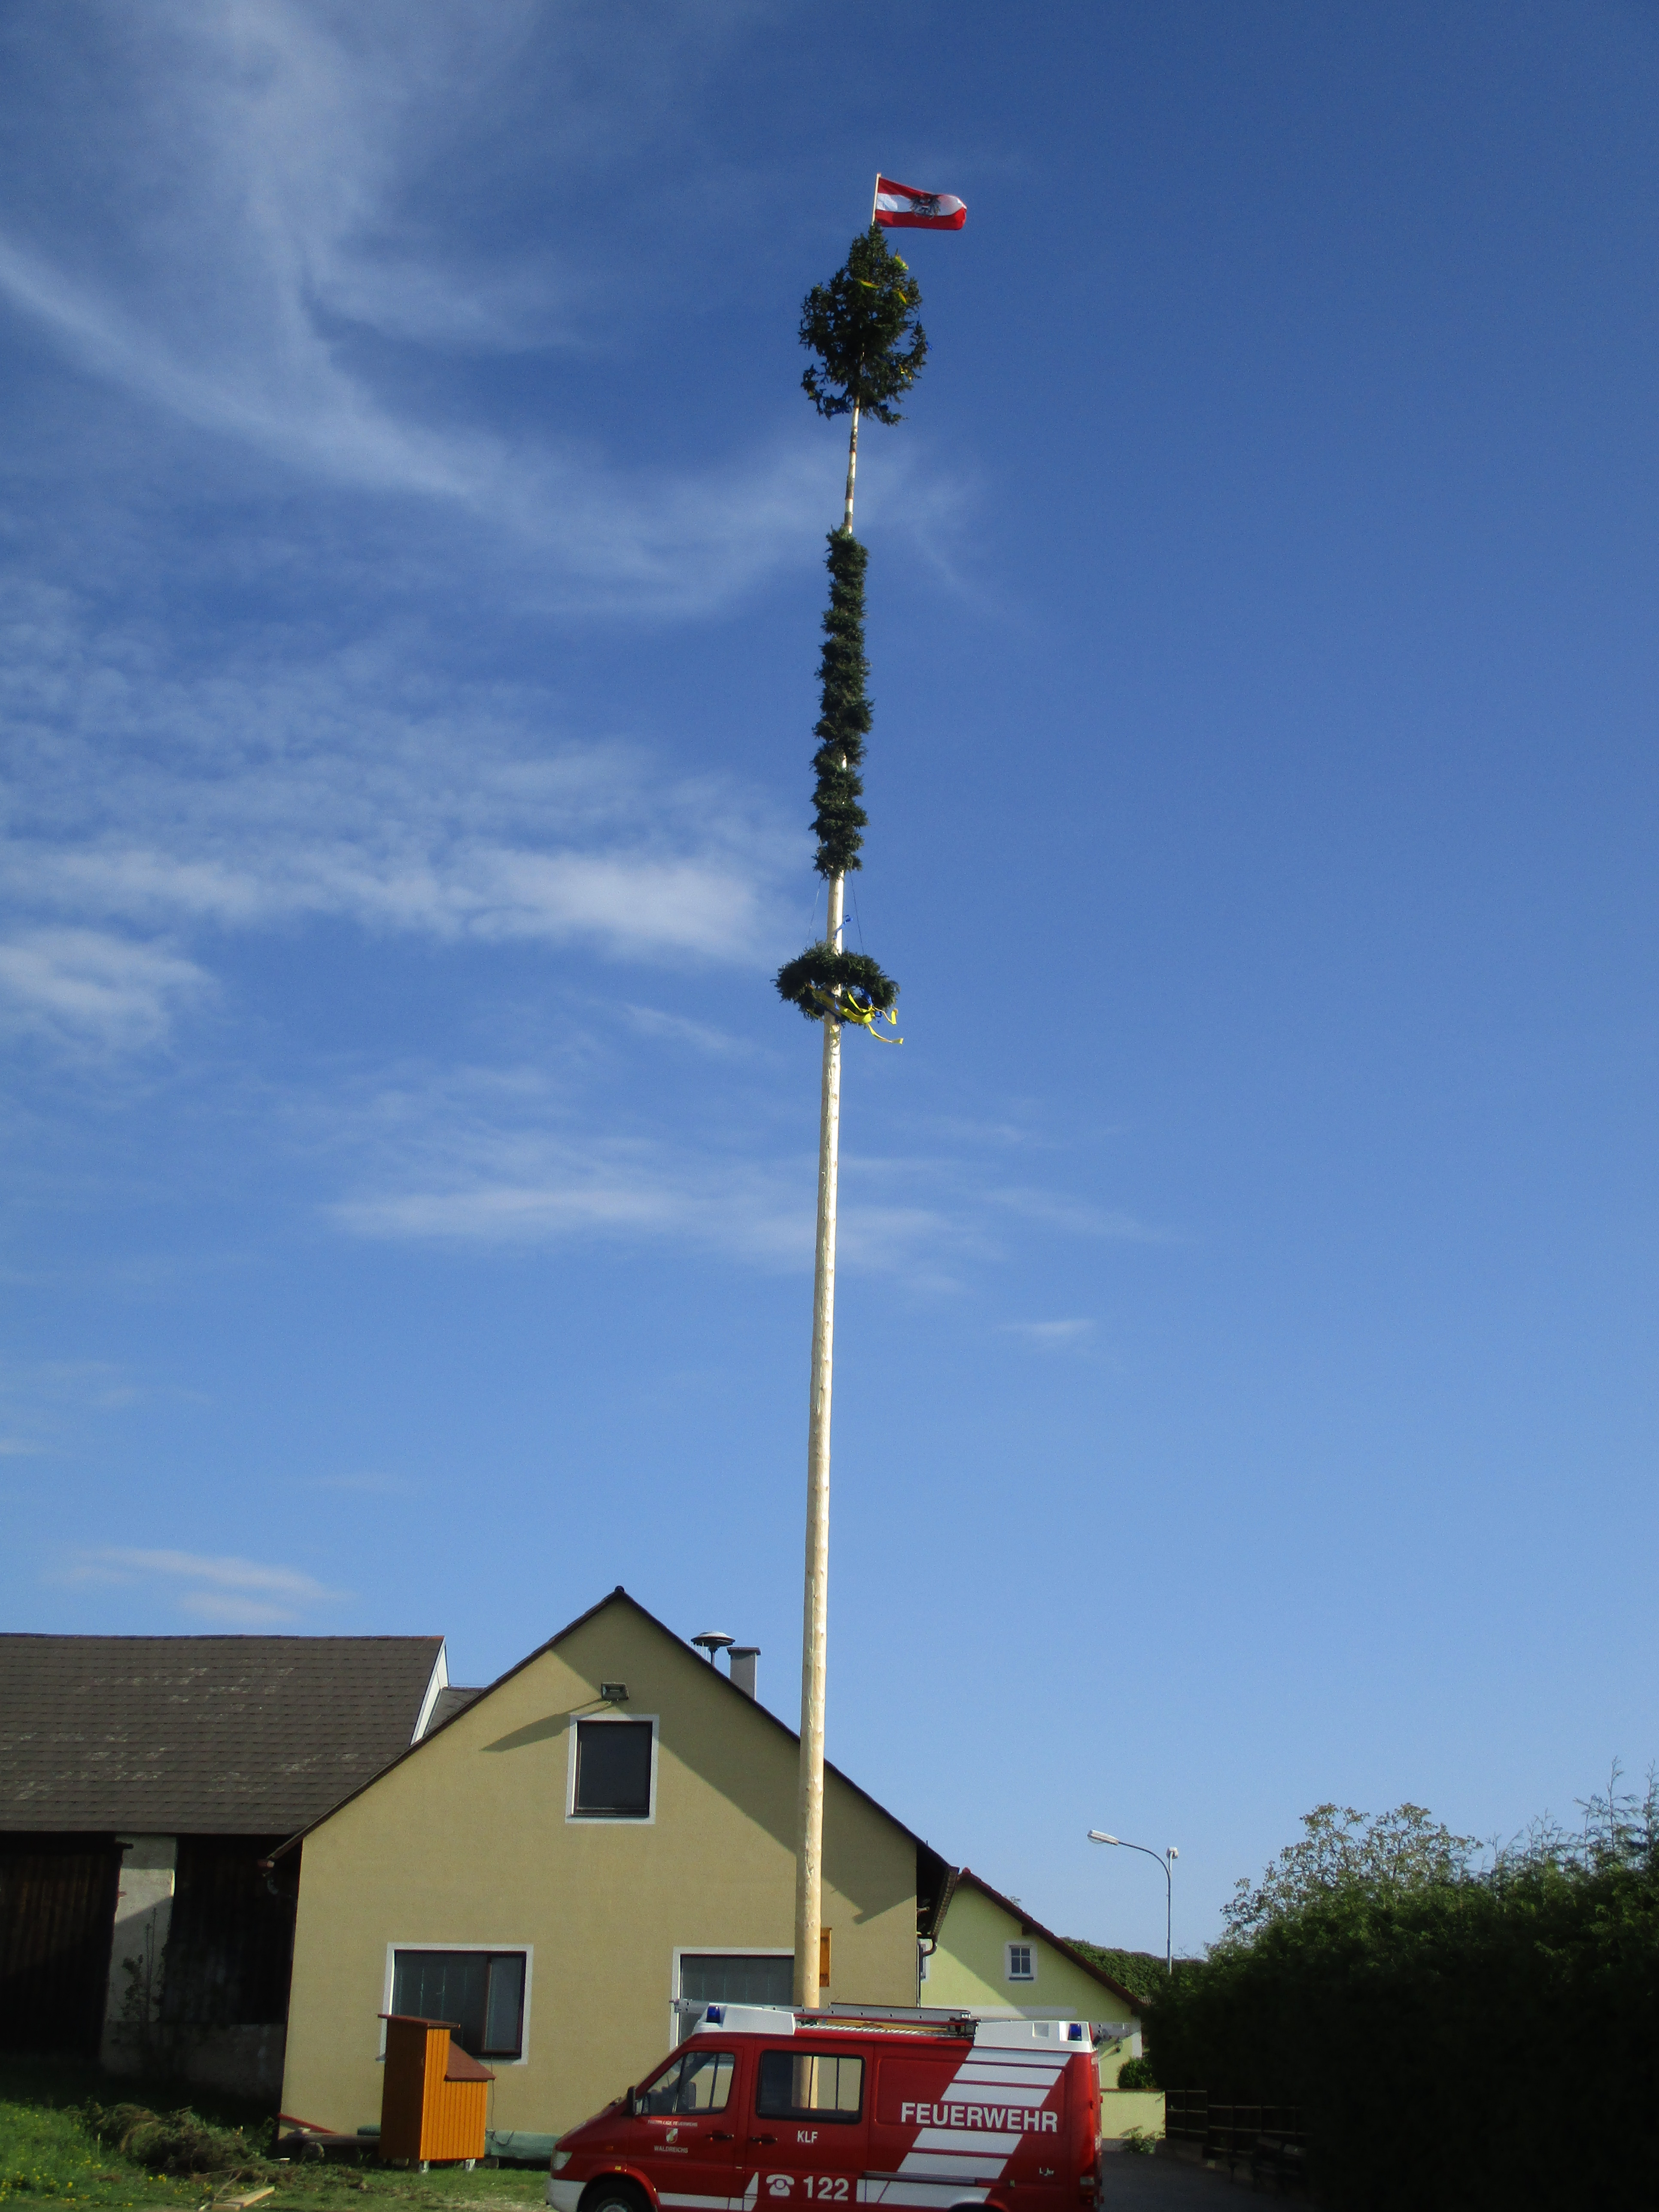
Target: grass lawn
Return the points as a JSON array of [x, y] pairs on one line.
[[50, 2155]]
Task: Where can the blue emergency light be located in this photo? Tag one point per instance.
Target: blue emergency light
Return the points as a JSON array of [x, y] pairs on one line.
[[716, 2015]]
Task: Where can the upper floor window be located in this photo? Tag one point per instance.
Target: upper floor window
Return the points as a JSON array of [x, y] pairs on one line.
[[614, 1769], [1021, 1963]]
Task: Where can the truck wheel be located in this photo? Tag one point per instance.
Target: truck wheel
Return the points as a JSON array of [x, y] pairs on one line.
[[613, 2196]]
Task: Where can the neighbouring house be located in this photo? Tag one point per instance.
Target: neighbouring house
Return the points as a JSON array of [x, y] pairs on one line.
[[988, 1956], [568, 1868], [144, 1783]]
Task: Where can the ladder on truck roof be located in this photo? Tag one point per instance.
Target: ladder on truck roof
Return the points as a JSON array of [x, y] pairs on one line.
[[897, 2019], [934, 2021]]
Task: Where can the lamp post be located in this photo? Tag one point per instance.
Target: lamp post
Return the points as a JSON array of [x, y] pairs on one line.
[[1166, 1860]]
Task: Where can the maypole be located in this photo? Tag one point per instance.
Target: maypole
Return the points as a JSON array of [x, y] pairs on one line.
[[871, 349]]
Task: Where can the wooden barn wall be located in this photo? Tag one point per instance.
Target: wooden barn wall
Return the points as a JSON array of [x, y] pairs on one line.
[[231, 1940], [57, 1915]]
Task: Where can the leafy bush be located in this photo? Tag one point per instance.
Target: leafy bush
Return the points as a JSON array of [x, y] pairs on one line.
[[1140, 1973], [1137, 2074], [1416, 2009], [1342, 1849], [1138, 2142]]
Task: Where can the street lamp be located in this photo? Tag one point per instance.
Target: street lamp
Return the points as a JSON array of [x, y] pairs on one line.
[[1166, 1860]]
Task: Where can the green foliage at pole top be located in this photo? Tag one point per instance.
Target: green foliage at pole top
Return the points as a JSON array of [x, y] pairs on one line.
[[857, 325], [844, 724]]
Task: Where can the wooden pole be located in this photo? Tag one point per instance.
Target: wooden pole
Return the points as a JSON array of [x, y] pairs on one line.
[[815, 1609], [815, 1612], [851, 470]]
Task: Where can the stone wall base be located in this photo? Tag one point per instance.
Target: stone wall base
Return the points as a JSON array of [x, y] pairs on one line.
[[246, 2061]]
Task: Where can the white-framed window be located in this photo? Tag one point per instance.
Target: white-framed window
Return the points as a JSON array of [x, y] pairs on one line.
[[718, 1974], [1019, 1962], [613, 1769], [484, 1988]]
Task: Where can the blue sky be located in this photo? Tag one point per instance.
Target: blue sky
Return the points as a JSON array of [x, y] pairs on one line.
[[411, 568]]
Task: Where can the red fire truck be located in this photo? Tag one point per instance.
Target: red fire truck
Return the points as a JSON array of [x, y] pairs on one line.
[[767, 2108]]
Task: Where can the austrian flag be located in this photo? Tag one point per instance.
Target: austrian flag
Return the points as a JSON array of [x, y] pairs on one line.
[[902, 207]]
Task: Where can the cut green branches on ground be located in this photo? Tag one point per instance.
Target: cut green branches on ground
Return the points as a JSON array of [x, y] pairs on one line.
[[178, 2147]]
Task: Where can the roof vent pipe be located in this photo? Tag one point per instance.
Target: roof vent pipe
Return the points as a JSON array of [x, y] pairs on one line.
[[741, 1659]]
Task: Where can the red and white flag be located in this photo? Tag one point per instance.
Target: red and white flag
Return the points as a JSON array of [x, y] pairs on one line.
[[902, 207]]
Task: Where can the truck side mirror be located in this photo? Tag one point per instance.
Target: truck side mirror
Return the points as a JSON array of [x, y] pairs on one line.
[[632, 2102]]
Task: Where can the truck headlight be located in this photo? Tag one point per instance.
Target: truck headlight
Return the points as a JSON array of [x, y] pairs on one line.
[[561, 2160]]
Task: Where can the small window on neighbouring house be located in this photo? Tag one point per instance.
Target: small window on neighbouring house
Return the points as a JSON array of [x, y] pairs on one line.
[[1022, 1966], [613, 1771], [813, 2085], [481, 1992]]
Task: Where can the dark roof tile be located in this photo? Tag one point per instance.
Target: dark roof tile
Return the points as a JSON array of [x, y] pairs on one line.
[[200, 1735], [449, 1702]]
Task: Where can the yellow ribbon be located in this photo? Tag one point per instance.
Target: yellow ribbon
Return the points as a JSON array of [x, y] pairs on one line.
[[849, 1009]]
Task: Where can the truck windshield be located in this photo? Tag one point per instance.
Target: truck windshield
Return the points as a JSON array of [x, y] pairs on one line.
[[696, 2081]]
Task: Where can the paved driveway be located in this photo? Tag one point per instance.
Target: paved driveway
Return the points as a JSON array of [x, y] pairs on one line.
[[1162, 2184]]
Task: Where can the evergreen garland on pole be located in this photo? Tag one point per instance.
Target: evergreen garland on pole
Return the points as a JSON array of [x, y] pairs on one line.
[[871, 351], [808, 980], [845, 722]]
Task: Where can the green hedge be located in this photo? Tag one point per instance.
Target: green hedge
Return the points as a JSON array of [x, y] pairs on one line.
[[1488, 2039], [1140, 1973]]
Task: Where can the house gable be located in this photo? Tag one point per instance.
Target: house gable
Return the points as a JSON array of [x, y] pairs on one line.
[[450, 1705], [468, 1841], [973, 1931]]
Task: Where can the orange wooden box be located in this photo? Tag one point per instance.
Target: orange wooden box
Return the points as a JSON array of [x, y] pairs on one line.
[[434, 2099]]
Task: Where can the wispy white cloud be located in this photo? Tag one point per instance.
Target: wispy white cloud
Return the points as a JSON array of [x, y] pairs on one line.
[[228, 1609], [546, 1192], [268, 260], [702, 1037], [233, 1592], [270, 242], [62, 1386], [88, 987], [1055, 1210], [505, 1158], [1052, 1334], [156, 799], [501, 1187]]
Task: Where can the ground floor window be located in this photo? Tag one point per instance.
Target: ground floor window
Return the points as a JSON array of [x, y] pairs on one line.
[[482, 1992], [757, 1977]]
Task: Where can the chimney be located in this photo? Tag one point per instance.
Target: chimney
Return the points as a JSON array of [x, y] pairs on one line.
[[741, 1659]]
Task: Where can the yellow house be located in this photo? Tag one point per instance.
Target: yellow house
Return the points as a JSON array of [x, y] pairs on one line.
[[989, 1956], [567, 1866]]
